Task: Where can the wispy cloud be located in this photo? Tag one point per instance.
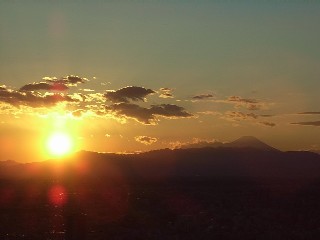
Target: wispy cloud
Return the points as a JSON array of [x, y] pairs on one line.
[[237, 116], [69, 80], [268, 124], [250, 104], [165, 93], [146, 140], [237, 101], [203, 97], [309, 113], [315, 123], [213, 113], [196, 143], [251, 117]]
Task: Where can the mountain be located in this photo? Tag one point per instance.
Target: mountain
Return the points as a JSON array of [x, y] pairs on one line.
[[250, 142], [166, 164], [315, 151], [203, 144], [243, 142], [8, 163]]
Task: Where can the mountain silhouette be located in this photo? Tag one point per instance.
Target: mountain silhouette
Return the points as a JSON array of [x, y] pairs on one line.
[[244, 157], [250, 142], [108, 194], [242, 142]]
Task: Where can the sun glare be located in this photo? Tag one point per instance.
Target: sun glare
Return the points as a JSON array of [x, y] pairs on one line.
[[59, 144]]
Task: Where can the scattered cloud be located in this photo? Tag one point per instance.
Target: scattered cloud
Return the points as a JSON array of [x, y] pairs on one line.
[[84, 102], [251, 117], [196, 143], [238, 116], [104, 83], [165, 93], [250, 104], [268, 124], [146, 140], [315, 123], [213, 113], [147, 115], [69, 80], [87, 90], [44, 86], [242, 100], [94, 97], [78, 113], [237, 101], [30, 99], [203, 97], [125, 94]]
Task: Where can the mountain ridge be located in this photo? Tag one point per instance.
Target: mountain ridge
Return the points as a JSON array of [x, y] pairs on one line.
[[172, 163]]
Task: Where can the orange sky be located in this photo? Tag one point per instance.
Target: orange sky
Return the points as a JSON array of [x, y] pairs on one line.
[[141, 76]]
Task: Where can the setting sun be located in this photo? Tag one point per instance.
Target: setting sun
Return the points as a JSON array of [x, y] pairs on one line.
[[59, 144]]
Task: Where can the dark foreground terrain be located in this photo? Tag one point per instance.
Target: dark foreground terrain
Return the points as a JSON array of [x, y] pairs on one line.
[[205, 193], [221, 208]]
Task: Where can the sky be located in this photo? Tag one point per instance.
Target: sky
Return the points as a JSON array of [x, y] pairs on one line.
[[130, 76]]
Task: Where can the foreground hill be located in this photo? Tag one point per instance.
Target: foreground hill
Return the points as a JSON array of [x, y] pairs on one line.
[[241, 190], [245, 157]]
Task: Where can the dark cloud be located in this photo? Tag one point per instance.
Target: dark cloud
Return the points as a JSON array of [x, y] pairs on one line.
[[44, 86], [315, 123], [30, 99], [169, 110], [74, 80], [309, 113], [69, 80], [54, 84], [128, 110], [202, 97], [147, 115], [268, 124], [146, 140], [125, 94]]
